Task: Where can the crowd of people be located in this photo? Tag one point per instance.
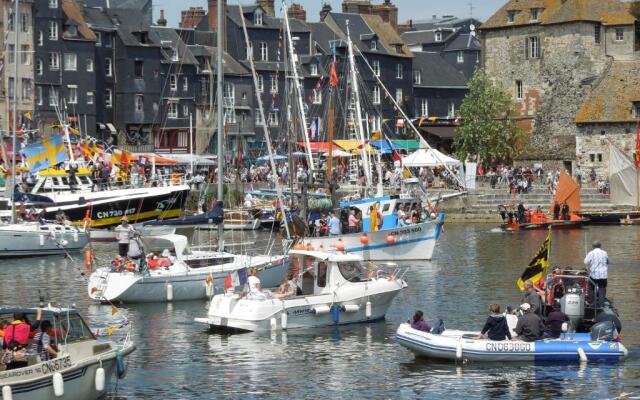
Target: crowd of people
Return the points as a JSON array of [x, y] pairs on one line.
[[21, 338]]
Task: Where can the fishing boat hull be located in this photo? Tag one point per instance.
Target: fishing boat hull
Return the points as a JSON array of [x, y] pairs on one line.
[[555, 224], [413, 242], [33, 239], [609, 217], [459, 345]]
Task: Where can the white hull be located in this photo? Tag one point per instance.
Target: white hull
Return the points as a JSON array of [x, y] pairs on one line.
[[413, 242], [33, 239], [109, 235]]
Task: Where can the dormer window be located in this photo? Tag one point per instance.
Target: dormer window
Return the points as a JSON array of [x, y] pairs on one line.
[[258, 18], [399, 48], [511, 17], [438, 36], [535, 14], [72, 31], [374, 45], [314, 69]]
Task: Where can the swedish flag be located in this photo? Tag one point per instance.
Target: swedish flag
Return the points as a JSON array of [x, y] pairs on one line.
[[537, 268], [45, 154]]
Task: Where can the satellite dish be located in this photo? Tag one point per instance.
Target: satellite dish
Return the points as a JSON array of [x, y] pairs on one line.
[[472, 27]]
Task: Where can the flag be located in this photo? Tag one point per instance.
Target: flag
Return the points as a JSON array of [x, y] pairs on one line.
[[394, 154], [113, 310], [228, 282], [45, 154], [638, 144], [242, 276], [110, 330], [377, 135], [537, 268], [28, 116], [334, 80], [235, 280]]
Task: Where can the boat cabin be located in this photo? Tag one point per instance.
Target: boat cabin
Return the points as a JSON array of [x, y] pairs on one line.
[[387, 205], [55, 181], [178, 247], [323, 272]]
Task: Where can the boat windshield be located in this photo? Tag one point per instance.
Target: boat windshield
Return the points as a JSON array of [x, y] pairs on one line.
[[353, 271], [74, 329]]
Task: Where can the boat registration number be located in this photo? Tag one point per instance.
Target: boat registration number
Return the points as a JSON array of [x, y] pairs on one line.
[[56, 365], [115, 213], [406, 231], [509, 347], [45, 368]]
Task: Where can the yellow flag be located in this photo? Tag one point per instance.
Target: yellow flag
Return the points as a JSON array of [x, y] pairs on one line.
[[110, 330], [537, 268], [113, 310]]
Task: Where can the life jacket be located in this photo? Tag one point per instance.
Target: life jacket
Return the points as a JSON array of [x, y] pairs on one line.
[[152, 263], [19, 332]]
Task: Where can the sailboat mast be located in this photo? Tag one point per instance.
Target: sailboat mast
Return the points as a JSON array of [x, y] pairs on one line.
[[16, 11], [356, 94], [293, 59], [219, 99]]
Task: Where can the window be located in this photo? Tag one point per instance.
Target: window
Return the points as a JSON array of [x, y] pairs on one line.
[[533, 47], [274, 118], [376, 67], [12, 88], [39, 67], [274, 84], [264, 51], [259, 121], [108, 66], [54, 61], [173, 82], [353, 271], [519, 91], [314, 69], [374, 45], [24, 22], [40, 39], [229, 94], [317, 96], [53, 3], [417, 77], [451, 110], [26, 89], [596, 34], [376, 94], [10, 22], [108, 98], [399, 96], [71, 31], [460, 57], [53, 97], [108, 39], [424, 108], [635, 109], [172, 109], [73, 94], [70, 61], [11, 56], [619, 34], [260, 84], [258, 17], [138, 69], [399, 71], [89, 64], [438, 36], [25, 55], [98, 39], [511, 17], [53, 30], [39, 96], [139, 103], [185, 83], [250, 51], [90, 97], [534, 13], [229, 116], [321, 280]]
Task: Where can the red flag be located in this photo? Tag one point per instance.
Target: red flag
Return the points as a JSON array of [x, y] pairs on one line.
[[394, 154], [240, 155], [334, 80], [638, 144], [228, 282]]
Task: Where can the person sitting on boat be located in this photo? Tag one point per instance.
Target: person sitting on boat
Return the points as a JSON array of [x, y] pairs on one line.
[[556, 210], [496, 327], [419, 323], [16, 339], [334, 224], [288, 287], [565, 211], [401, 216], [41, 218], [255, 288], [529, 327], [42, 342], [521, 211], [532, 297], [60, 216], [124, 233], [512, 320], [554, 321], [354, 222]]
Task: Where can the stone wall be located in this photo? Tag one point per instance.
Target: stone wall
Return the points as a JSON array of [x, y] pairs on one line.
[[592, 144]]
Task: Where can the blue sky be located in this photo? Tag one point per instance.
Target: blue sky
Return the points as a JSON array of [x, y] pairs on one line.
[[408, 9]]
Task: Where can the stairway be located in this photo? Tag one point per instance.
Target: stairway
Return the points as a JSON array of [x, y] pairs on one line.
[[487, 199]]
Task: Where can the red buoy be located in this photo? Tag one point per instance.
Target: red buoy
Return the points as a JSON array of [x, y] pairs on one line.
[[364, 239], [391, 239]]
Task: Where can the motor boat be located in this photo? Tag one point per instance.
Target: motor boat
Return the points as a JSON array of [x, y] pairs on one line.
[[334, 289], [84, 368], [464, 346], [28, 239], [391, 242], [537, 219], [187, 274]]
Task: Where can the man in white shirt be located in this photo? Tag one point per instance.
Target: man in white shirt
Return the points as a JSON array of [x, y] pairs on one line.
[[597, 263], [124, 233]]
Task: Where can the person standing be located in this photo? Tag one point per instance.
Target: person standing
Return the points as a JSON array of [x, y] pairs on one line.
[[532, 298], [597, 264], [353, 222], [124, 233], [334, 224]]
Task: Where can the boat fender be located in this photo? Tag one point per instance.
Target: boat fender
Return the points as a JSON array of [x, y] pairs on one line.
[[582, 355], [58, 384], [41, 240], [350, 308], [283, 319], [274, 324], [100, 379], [121, 369], [459, 351], [321, 310], [335, 313], [169, 292], [6, 393], [75, 236], [364, 239], [367, 311], [64, 242], [209, 289]]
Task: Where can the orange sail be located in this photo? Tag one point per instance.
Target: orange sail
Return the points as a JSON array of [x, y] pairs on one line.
[[568, 190]]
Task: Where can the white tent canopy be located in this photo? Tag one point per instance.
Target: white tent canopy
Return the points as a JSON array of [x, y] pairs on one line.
[[429, 158]]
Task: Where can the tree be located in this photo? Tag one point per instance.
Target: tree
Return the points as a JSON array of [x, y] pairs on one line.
[[485, 129], [634, 8]]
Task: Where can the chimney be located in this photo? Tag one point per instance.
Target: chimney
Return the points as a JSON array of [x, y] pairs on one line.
[[326, 9], [162, 21], [192, 17], [268, 6], [297, 11], [214, 26], [388, 12], [356, 6]]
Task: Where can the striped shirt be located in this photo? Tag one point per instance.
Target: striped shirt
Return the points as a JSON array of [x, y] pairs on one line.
[[597, 263]]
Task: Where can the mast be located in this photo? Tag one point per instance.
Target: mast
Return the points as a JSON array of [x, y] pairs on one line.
[[16, 12], [293, 59], [356, 94], [219, 99]]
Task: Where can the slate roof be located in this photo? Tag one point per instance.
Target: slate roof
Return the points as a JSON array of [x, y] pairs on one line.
[[322, 36], [230, 65], [463, 41], [233, 12], [613, 97], [436, 72], [128, 21], [170, 41], [426, 37], [443, 22], [98, 20]]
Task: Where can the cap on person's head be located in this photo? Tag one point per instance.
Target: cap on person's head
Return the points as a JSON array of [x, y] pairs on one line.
[[556, 270], [525, 306], [596, 244], [124, 219]]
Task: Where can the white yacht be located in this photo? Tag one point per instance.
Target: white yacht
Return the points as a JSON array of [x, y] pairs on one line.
[[35, 239], [191, 275], [84, 368], [335, 289]]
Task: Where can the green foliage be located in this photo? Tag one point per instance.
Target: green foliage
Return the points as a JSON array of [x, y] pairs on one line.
[[635, 8], [485, 129]]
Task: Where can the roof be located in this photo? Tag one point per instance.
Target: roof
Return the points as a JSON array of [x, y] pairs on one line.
[[97, 19], [322, 35], [426, 37], [73, 12], [230, 65], [463, 41], [127, 22], [444, 22], [609, 12], [613, 97], [170, 42], [233, 12], [387, 36], [436, 72]]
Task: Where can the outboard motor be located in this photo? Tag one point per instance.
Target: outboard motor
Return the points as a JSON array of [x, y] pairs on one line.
[[605, 330], [572, 304]]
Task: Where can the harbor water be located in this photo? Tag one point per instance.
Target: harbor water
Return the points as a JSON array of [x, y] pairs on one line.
[[473, 266]]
